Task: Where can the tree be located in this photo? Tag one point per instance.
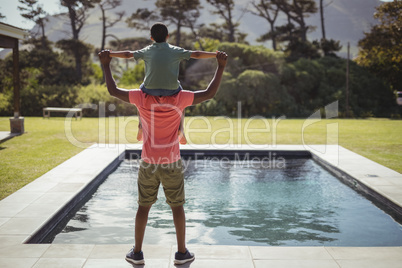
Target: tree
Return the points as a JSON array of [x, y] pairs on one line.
[[218, 32], [297, 49], [78, 14], [294, 33], [181, 13], [296, 11], [266, 10], [322, 19], [225, 8], [381, 48], [142, 19], [52, 69], [46, 79], [106, 22], [328, 46], [77, 47], [191, 23], [31, 10]]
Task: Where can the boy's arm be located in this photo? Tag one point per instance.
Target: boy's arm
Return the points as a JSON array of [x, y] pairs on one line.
[[116, 92], [121, 54], [209, 93], [202, 55]]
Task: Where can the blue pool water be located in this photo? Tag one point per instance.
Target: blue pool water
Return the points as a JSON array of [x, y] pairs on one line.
[[238, 203]]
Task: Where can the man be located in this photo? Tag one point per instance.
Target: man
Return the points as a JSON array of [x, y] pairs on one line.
[[160, 158], [162, 64]]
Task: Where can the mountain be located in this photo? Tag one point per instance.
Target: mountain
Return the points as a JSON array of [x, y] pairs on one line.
[[345, 20]]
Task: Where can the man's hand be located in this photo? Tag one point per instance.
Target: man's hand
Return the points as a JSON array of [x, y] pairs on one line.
[[122, 94], [221, 57], [104, 57]]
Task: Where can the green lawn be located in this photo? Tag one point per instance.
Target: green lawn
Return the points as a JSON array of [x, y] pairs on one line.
[[49, 142]]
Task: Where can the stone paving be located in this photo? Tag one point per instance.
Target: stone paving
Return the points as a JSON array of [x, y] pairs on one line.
[[6, 135], [23, 213]]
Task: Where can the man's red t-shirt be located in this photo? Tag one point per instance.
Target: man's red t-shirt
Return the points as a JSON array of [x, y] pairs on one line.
[[160, 118]]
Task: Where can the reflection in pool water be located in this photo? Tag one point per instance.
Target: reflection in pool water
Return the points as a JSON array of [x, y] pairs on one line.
[[238, 203]]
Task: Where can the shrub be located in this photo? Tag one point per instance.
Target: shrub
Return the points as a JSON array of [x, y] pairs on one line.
[[133, 77], [95, 97]]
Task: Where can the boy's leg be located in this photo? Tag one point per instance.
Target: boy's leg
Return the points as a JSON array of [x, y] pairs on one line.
[[139, 134], [141, 220], [182, 136], [179, 220]]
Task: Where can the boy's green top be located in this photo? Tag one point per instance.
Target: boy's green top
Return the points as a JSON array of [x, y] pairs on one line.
[[162, 65]]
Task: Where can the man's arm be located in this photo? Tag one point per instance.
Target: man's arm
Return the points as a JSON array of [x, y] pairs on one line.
[[202, 55], [121, 54], [209, 93], [116, 92]]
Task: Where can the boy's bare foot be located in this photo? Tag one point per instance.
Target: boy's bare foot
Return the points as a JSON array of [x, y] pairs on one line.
[[182, 137]]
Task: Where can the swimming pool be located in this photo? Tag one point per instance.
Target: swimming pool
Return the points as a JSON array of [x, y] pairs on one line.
[[237, 203]]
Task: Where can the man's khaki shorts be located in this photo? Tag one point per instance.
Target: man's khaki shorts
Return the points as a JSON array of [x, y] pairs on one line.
[[170, 175]]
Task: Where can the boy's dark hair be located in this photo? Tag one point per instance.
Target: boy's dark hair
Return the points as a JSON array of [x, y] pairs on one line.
[[159, 32]]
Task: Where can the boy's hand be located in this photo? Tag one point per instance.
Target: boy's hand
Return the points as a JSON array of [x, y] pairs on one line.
[[104, 57], [221, 57]]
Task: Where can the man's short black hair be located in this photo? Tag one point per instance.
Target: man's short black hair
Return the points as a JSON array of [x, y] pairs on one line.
[[159, 32]]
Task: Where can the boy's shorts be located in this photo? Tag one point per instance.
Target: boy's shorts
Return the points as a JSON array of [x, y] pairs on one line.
[[170, 175], [160, 92]]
